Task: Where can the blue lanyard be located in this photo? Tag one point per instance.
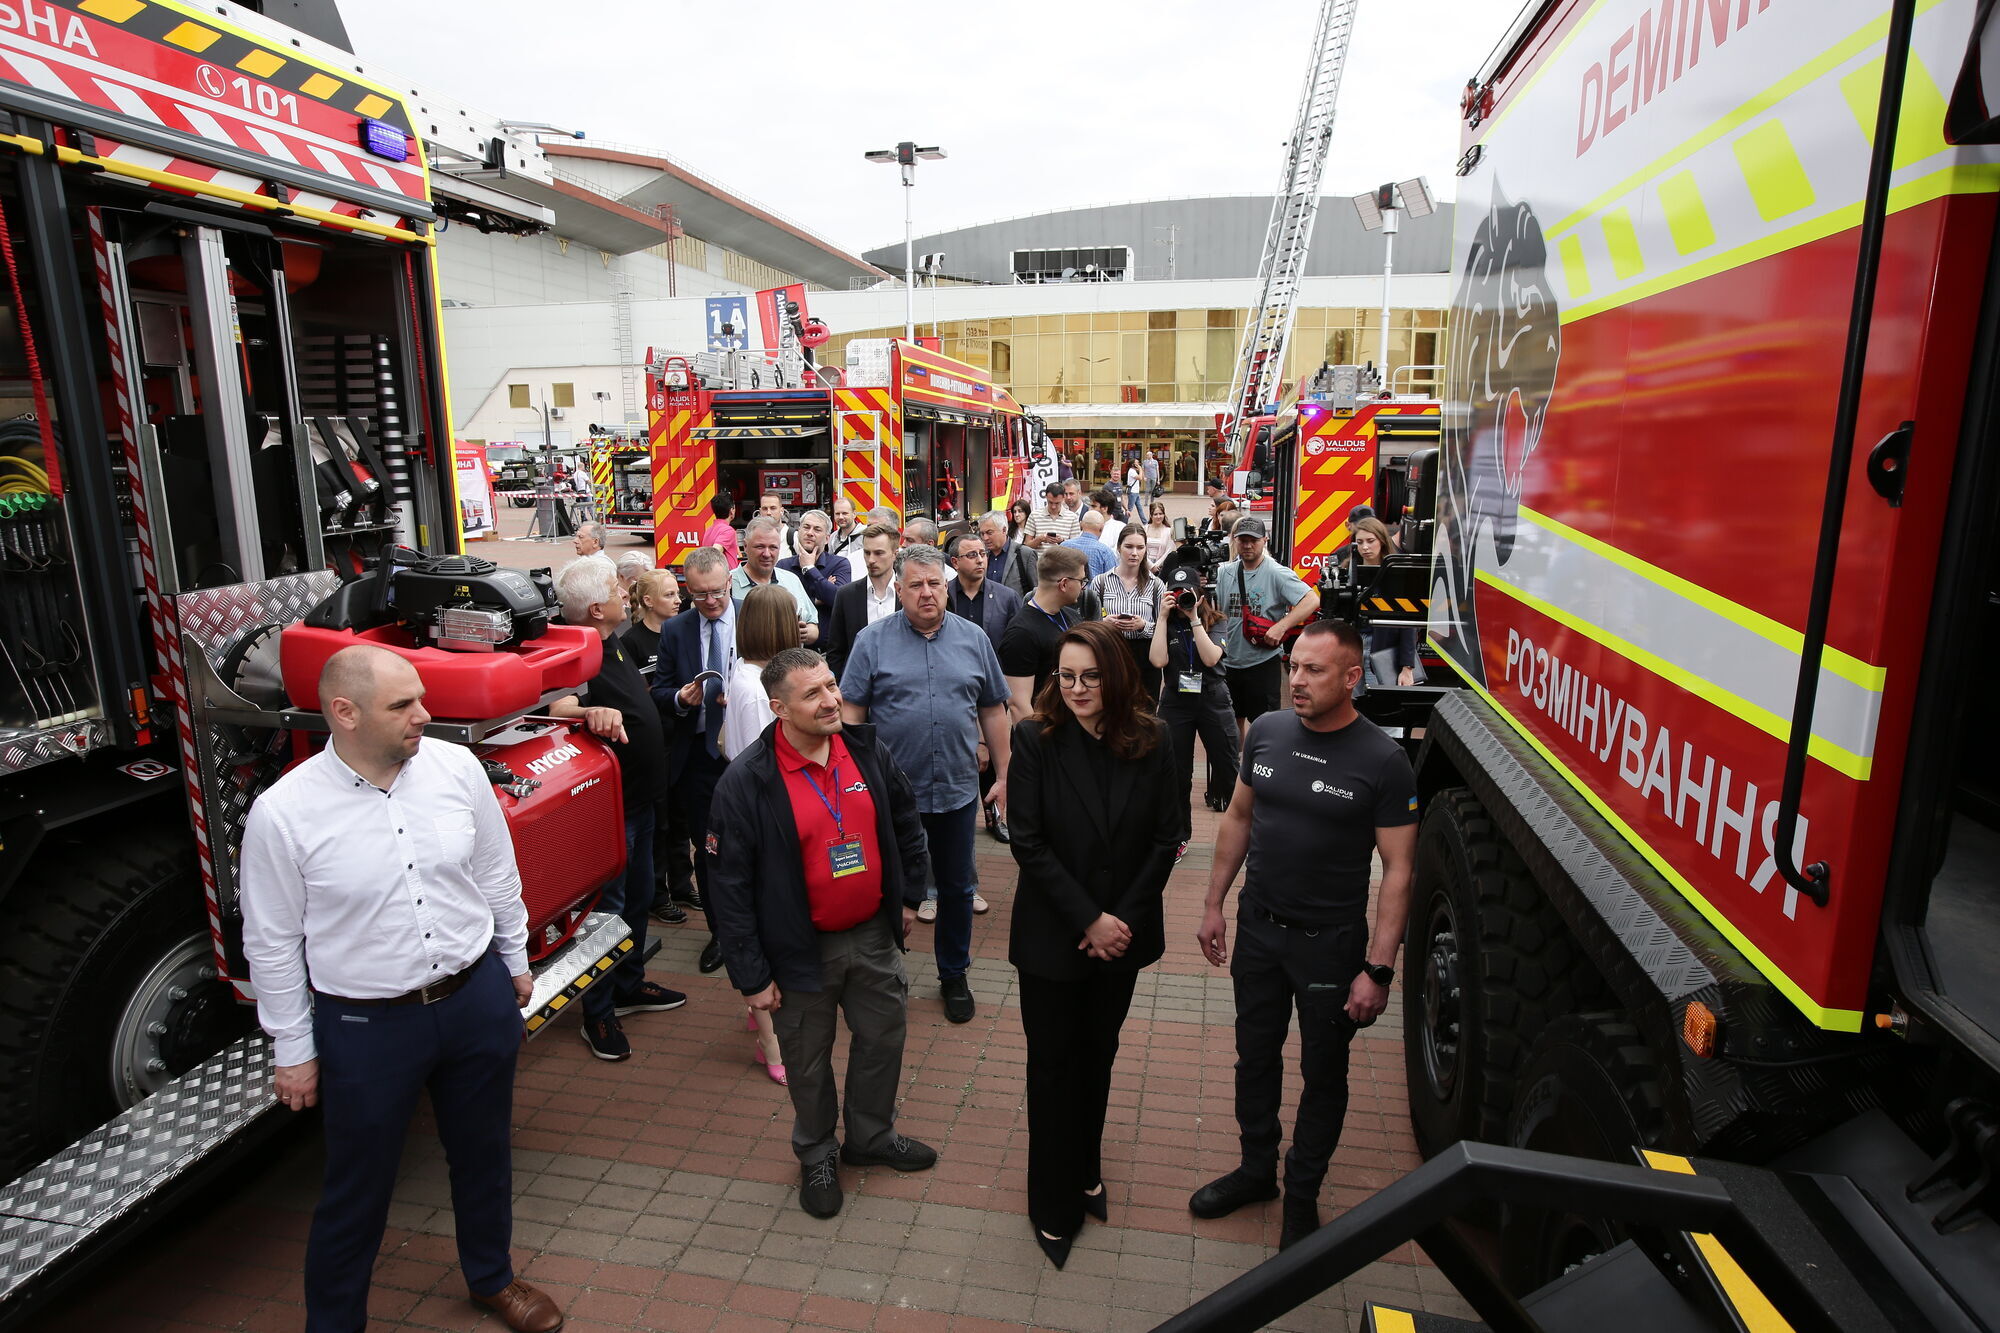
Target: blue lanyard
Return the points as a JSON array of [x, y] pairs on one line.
[[1187, 646], [833, 806], [1054, 618]]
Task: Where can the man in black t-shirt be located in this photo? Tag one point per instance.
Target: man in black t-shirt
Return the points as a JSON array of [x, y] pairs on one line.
[[618, 707], [1321, 790], [1028, 648]]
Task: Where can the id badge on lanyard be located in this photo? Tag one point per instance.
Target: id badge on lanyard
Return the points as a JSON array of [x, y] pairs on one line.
[[845, 857]]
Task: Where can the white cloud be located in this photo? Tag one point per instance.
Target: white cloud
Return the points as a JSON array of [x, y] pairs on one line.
[[1041, 104]]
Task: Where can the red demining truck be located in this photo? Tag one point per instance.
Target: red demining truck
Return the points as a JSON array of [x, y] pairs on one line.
[[1707, 904]]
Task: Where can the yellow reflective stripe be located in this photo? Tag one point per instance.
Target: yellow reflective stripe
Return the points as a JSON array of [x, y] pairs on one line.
[[1835, 757], [1751, 1305], [70, 157], [1976, 178], [1833, 1020], [1575, 272], [1771, 168], [1920, 121], [1844, 50], [1687, 216], [1622, 240], [1391, 1321], [1848, 668]]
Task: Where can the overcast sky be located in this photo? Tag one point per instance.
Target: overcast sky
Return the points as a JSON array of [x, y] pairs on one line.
[[1041, 104]]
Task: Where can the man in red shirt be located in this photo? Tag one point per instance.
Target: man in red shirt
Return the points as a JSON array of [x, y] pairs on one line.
[[817, 864]]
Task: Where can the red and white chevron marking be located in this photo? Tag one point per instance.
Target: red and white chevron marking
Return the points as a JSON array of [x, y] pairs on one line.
[[137, 98]]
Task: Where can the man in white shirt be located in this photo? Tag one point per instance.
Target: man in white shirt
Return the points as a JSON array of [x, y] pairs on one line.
[[846, 536], [387, 941], [763, 543], [866, 600]]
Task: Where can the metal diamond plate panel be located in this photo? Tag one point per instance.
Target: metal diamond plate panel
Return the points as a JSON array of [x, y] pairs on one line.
[[118, 1165], [31, 749], [238, 763]]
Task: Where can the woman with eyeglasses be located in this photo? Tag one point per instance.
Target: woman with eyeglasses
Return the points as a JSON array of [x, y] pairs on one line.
[[1091, 797]]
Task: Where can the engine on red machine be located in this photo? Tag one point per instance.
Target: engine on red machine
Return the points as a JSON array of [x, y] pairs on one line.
[[484, 642]]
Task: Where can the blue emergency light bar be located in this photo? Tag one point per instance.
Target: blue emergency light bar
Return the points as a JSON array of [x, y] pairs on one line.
[[385, 140]]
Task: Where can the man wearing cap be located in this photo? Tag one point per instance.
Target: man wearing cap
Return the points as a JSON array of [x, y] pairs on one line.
[[1264, 587], [1052, 524]]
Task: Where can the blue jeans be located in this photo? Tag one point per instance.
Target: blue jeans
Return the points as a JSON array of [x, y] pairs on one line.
[[950, 837], [631, 896]]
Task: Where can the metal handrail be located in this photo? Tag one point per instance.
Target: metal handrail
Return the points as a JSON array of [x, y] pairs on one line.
[[1420, 1205], [1435, 367]]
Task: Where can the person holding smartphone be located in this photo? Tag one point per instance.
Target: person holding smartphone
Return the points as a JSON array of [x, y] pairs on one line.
[[1194, 695], [1131, 598]]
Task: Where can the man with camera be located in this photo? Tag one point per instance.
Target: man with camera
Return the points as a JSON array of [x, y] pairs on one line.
[[1262, 602], [1194, 698]]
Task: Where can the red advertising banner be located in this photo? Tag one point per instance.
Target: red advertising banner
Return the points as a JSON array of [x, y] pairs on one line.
[[770, 311]]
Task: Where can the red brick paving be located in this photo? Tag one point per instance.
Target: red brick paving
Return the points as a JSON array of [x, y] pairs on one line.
[[658, 1194]]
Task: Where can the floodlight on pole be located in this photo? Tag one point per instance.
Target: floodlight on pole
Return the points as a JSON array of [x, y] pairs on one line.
[[1380, 210], [906, 155]]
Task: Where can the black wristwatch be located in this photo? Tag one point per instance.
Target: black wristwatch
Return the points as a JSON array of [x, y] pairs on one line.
[[1379, 973]]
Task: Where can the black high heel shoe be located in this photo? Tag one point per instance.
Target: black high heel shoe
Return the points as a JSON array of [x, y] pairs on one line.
[[1055, 1247], [1097, 1206]]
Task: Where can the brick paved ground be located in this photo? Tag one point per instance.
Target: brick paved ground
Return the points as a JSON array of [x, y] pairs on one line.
[[660, 1193]]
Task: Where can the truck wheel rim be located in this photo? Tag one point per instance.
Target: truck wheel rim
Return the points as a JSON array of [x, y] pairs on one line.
[[1442, 1002], [159, 1034]]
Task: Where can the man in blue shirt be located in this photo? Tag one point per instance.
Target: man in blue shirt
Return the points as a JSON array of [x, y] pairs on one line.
[[931, 683], [1089, 540]]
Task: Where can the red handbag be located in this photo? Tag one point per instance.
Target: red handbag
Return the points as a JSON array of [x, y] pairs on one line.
[[1256, 626]]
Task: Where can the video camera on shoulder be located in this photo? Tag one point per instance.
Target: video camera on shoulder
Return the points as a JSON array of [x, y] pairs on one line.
[[1201, 553]]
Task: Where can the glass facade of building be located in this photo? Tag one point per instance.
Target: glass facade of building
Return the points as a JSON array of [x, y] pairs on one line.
[[1163, 356]]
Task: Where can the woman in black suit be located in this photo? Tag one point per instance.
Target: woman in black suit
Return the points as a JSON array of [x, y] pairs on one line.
[[1091, 796]]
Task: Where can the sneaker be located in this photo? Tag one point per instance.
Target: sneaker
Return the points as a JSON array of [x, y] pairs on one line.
[[819, 1186], [957, 999], [690, 899], [928, 912], [901, 1153], [1220, 1198], [651, 998], [606, 1039], [669, 911], [1301, 1220], [1179, 852], [979, 905]]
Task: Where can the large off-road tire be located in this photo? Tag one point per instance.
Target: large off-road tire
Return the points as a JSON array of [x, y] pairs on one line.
[[1590, 1088], [108, 986], [1489, 963]]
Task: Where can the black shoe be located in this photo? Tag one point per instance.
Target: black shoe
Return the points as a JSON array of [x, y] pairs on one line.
[[997, 826], [1098, 1205], [711, 959], [606, 1039], [1301, 1220], [650, 998], [669, 911], [819, 1186], [1056, 1247], [957, 999], [688, 898], [1220, 1198], [903, 1154]]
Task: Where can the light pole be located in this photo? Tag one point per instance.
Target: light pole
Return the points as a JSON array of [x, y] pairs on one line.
[[1380, 210], [905, 155]]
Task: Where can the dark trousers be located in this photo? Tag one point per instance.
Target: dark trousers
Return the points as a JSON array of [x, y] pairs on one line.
[[1207, 714], [1072, 1029], [1149, 675], [692, 792], [631, 896], [861, 976], [950, 835], [374, 1060], [673, 851], [1276, 968]]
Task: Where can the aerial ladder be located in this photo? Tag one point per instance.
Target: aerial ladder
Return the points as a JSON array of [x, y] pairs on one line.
[[1260, 361]]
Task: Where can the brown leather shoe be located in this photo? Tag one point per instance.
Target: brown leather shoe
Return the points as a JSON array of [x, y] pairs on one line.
[[523, 1308]]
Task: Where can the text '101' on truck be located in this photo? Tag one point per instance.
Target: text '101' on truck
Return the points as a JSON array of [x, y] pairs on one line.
[[1707, 901], [225, 426]]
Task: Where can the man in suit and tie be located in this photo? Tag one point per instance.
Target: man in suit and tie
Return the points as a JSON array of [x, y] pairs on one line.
[[868, 599], [1009, 565], [690, 645]]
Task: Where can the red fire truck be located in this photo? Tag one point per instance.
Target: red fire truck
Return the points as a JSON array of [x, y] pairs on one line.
[[903, 428], [224, 427], [1707, 861]]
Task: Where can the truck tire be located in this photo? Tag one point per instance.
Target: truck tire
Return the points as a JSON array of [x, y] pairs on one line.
[[1590, 1088], [90, 1022], [1489, 965]]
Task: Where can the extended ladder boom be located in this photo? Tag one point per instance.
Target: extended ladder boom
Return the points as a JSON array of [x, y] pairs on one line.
[[1261, 359]]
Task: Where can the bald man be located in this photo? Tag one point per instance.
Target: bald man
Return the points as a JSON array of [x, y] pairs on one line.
[[387, 942], [1090, 540]]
